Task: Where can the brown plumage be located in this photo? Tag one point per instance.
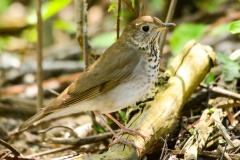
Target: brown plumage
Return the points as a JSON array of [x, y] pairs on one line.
[[121, 76]]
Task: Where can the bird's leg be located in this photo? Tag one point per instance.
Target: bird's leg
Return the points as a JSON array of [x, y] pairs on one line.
[[119, 140], [124, 129]]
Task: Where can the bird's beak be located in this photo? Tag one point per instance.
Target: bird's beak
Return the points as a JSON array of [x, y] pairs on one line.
[[166, 26]]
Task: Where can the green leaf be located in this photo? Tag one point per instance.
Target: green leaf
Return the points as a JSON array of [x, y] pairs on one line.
[[52, 7], [133, 3], [4, 5], [191, 131], [67, 26], [4, 40], [30, 34], [98, 129], [235, 27], [36, 148], [230, 68], [103, 40], [157, 5], [222, 58], [112, 7], [210, 78], [123, 115], [212, 110], [121, 14], [219, 30], [221, 141], [183, 33], [48, 9]]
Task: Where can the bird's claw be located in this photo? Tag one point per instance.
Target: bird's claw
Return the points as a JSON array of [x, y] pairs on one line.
[[132, 132], [128, 143]]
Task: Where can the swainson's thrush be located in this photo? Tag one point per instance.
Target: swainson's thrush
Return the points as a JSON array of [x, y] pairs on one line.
[[120, 77]]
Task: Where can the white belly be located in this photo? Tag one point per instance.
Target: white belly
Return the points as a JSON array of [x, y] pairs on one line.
[[124, 95]]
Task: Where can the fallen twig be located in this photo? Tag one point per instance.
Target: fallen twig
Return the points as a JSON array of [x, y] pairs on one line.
[[11, 148], [80, 141]]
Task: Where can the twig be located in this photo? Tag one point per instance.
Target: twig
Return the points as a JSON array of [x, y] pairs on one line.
[[224, 154], [85, 34], [118, 18], [168, 19], [164, 148], [54, 92], [217, 116], [141, 8], [6, 155], [81, 20], [212, 140], [237, 114], [205, 154], [237, 150], [40, 123], [228, 104], [78, 18], [231, 117], [51, 151], [223, 92], [80, 141], [131, 8], [50, 128], [198, 139], [39, 57], [11, 148]]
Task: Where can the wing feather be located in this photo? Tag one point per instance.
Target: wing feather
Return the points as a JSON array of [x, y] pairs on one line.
[[98, 79]]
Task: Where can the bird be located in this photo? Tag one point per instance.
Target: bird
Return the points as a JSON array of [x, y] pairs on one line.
[[117, 79]]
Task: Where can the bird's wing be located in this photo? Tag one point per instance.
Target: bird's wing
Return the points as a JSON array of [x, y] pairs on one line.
[[99, 78], [31, 120]]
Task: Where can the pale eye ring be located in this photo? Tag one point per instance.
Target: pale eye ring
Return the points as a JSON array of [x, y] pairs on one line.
[[145, 28]]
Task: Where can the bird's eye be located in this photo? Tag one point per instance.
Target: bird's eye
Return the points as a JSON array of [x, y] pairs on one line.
[[145, 28]]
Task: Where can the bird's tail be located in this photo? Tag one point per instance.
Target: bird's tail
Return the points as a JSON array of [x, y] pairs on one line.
[[31, 120]]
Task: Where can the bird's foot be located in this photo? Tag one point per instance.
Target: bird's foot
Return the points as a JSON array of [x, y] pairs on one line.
[[128, 143], [124, 129], [130, 131]]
